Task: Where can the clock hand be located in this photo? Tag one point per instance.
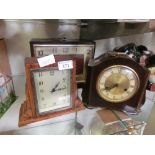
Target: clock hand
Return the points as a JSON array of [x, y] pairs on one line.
[[60, 89], [113, 86], [54, 89]]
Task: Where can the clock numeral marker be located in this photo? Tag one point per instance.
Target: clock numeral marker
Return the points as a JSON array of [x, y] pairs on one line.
[[107, 74], [130, 77], [54, 50], [117, 97], [65, 50], [40, 74], [132, 83], [130, 89], [40, 52], [40, 83], [110, 96], [125, 94], [76, 49], [64, 79]]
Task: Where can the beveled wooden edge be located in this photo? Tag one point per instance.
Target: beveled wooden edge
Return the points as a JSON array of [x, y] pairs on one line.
[[22, 121]]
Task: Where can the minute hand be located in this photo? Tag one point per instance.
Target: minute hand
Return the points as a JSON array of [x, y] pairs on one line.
[[54, 89], [60, 89]]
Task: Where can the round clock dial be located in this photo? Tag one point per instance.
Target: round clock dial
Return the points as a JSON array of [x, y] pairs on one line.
[[117, 83]]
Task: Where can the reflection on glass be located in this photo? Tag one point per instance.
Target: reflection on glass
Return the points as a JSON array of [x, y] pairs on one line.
[[52, 88]]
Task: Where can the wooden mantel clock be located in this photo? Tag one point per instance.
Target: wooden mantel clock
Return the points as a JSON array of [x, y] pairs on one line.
[[50, 92], [115, 81], [86, 48]]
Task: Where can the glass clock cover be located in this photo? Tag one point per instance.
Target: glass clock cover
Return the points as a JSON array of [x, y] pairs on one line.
[[52, 88]]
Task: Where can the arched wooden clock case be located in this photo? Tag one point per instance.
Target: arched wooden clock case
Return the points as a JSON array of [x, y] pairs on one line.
[[91, 96], [29, 109]]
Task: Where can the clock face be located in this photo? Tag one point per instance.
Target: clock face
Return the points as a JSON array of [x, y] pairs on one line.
[[52, 88], [117, 83], [63, 49], [42, 50]]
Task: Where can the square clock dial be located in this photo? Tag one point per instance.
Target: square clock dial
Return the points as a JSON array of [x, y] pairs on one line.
[[52, 89]]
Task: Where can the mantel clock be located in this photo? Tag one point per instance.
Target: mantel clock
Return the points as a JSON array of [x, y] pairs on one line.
[[86, 48], [115, 81], [50, 92]]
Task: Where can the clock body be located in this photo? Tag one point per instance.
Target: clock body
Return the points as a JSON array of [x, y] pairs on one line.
[[50, 92], [115, 81], [74, 48]]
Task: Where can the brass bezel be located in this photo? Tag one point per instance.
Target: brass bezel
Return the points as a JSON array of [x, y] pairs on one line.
[[114, 100]]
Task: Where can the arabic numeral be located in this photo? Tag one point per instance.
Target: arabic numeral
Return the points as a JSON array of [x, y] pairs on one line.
[[40, 52], [65, 50], [41, 83], [40, 74], [64, 79]]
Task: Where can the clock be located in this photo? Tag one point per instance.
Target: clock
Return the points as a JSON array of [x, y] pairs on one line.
[[50, 92], [115, 81], [44, 47]]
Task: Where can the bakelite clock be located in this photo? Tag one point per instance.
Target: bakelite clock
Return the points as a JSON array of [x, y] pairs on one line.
[[115, 81], [50, 92], [44, 47]]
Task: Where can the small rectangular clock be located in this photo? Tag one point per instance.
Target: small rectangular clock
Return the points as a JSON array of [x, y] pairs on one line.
[[43, 47], [50, 92]]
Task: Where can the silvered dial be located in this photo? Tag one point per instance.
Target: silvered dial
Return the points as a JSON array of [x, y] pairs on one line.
[[52, 89], [117, 83]]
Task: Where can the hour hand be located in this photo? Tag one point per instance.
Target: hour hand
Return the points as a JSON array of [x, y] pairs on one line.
[[54, 89], [113, 86]]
